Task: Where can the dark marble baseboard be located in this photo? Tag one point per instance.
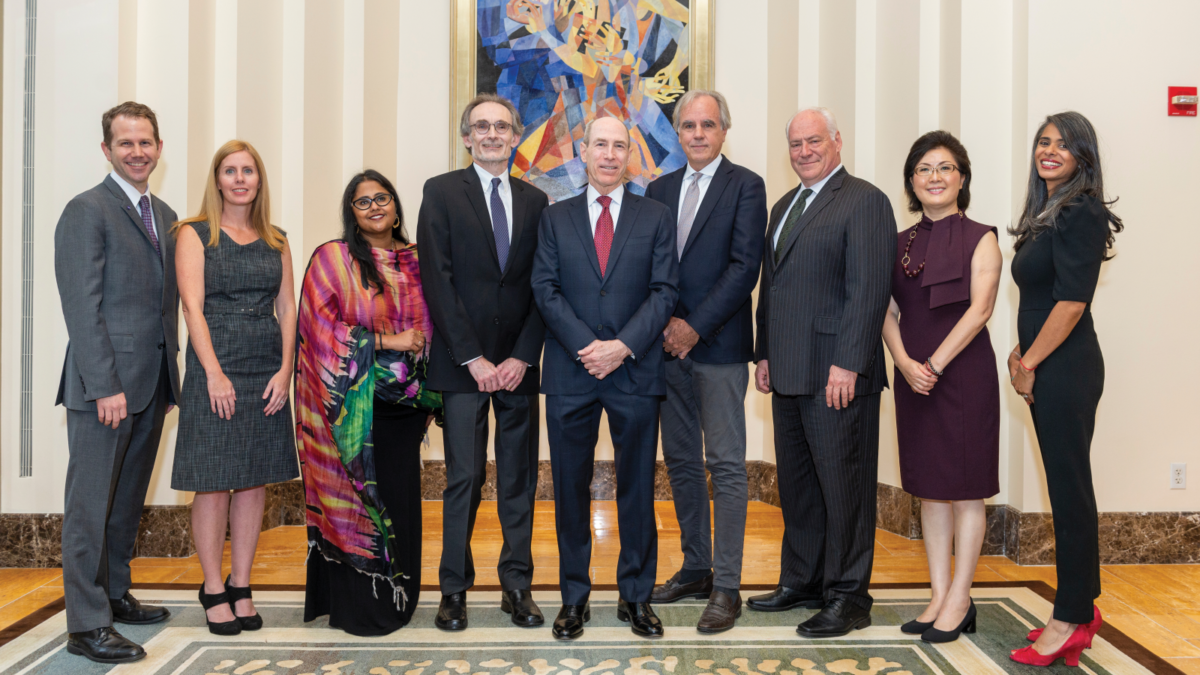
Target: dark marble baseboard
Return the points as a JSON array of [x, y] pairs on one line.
[[1028, 538]]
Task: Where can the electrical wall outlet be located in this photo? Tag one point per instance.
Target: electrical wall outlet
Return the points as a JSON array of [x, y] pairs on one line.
[[1179, 476]]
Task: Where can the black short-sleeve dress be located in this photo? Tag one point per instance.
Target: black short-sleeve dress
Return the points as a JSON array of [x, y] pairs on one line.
[[251, 448]]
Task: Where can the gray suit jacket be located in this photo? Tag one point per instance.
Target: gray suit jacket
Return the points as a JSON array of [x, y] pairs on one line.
[[119, 298], [823, 304]]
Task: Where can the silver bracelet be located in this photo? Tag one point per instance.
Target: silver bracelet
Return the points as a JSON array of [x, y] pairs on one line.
[[935, 371]]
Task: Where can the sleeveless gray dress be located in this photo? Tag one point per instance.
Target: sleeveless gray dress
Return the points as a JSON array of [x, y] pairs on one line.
[[251, 448]]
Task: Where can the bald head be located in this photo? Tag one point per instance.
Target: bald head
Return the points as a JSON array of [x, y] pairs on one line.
[[605, 152], [610, 123]]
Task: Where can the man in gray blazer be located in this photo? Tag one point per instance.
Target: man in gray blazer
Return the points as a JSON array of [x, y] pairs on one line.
[[826, 283], [114, 259]]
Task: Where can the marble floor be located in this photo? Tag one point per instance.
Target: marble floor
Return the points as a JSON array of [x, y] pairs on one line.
[[1157, 605]]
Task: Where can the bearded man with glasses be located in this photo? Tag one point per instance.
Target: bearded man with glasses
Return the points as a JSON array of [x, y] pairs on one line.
[[478, 231]]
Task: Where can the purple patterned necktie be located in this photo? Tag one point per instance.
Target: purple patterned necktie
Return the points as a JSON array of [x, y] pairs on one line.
[[499, 224], [144, 206]]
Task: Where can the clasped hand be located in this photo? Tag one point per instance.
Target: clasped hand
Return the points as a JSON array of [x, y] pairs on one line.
[[679, 338], [602, 357], [1021, 379], [492, 378], [918, 376]]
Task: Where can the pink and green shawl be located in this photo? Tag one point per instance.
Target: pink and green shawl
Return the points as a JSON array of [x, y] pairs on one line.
[[338, 376]]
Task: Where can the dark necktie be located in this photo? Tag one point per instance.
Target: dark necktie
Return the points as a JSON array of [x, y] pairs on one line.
[[148, 221], [499, 224], [793, 217], [604, 233]]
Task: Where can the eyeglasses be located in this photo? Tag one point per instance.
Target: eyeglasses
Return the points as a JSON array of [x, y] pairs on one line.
[[944, 170], [364, 203], [482, 127]]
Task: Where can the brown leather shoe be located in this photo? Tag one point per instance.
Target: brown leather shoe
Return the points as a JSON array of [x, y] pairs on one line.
[[720, 614], [673, 590]]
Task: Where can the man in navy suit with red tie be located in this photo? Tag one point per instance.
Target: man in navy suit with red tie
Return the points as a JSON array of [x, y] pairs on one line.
[[605, 282]]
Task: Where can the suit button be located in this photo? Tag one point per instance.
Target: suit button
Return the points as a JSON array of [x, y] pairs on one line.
[[496, 321], [600, 327], [603, 293], [772, 289], [160, 345], [164, 312], [501, 284]]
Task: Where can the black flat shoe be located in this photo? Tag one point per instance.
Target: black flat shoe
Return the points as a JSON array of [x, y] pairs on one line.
[[915, 627], [104, 645], [967, 625], [236, 593], [674, 590], [129, 610], [641, 618], [524, 610], [452, 612], [222, 627], [838, 618], [782, 599], [569, 623]]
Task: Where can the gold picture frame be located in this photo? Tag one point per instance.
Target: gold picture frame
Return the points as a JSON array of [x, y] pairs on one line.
[[463, 45]]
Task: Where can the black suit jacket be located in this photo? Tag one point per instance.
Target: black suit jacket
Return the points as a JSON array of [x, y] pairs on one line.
[[632, 302], [477, 308], [721, 259], [823, 304]]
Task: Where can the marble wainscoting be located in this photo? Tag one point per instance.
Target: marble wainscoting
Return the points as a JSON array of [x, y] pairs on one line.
[[1028, 538]]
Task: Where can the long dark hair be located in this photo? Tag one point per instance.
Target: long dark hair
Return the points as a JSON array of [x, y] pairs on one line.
[[1041, 208], [921, 147], [359, 248]]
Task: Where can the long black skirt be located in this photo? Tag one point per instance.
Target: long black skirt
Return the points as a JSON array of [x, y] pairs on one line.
[[355, 602]]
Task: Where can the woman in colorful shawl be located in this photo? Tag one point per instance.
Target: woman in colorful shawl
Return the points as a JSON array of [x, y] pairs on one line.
[[361, 413]]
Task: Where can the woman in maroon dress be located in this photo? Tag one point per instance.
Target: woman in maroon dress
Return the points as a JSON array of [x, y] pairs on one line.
[[948, 417]]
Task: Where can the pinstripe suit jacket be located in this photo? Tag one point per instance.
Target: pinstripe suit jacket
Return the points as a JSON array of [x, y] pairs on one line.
[[823, 304]]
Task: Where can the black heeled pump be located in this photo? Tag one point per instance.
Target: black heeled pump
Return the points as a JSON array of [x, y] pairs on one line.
[[225, 628], [915, 627], [236, 593], [966, 626]]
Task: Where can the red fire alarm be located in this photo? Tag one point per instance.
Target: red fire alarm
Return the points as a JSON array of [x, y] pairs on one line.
[[1181, 101]]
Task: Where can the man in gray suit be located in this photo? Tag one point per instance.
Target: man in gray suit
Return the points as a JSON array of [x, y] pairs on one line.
[[114, 260], [826, 283]]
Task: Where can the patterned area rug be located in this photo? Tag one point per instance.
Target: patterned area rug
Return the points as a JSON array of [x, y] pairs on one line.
[[761, 644]]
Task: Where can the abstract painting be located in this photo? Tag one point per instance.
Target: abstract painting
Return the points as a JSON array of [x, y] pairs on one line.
[[564, 63]]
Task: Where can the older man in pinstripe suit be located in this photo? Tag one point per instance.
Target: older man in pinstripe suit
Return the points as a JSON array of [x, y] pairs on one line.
[[826, 281]]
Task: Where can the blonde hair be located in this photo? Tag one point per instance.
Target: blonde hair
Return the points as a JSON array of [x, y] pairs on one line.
[[213, 203]]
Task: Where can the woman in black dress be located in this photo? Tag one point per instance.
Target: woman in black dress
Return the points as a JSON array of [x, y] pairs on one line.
[[948, 417], [1064, 234], [235, 434]]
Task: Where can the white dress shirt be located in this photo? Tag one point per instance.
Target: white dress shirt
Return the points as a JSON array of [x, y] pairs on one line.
[[595, 209], [505, 195], [706, 176], [816, 190], [136, 198]]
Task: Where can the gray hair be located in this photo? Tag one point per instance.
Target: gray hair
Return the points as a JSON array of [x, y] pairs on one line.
[[587, 130], [688, 98], [464, 125], [830, 120]]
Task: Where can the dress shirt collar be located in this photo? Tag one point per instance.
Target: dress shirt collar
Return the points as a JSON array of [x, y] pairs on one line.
[[816, 187], [486, 177], [129, 190], [617, 195], [709, 170]]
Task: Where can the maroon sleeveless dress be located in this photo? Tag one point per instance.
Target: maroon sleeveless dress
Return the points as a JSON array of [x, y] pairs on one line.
[[950, 440]]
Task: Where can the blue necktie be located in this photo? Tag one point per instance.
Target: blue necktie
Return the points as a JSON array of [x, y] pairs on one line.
[[499, 224]]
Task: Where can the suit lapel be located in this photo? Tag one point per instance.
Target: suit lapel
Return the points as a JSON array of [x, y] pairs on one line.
[[630, 205], [720, 181], [134, 214], [776, 222], [583, 227], [474, 191], [162, 227], [518, 215], [823, 199]]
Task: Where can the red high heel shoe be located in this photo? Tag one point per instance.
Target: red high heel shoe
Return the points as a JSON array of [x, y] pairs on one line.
[[1070, 651], [1093, 628]]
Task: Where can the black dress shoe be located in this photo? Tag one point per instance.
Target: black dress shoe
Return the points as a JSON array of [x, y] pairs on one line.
[[129, 610], [218, 627], [720, 614], [673, 590], [452, 613], [236, 593], [915, 627], [641, 618], [967, 625], [104, 645], [569, 623], [784, 598], [837, 619], [524, 610]]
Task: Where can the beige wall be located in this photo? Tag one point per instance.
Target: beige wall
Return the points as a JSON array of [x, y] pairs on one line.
[[326, 87]]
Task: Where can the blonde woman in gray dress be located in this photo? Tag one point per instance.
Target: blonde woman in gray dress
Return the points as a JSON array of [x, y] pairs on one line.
[[235, 428]]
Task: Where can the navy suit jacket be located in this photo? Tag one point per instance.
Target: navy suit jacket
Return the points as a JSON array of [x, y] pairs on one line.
[[631, 303], [721, 260]]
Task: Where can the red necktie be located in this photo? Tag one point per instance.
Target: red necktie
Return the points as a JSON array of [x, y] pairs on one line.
[[604, 233]]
